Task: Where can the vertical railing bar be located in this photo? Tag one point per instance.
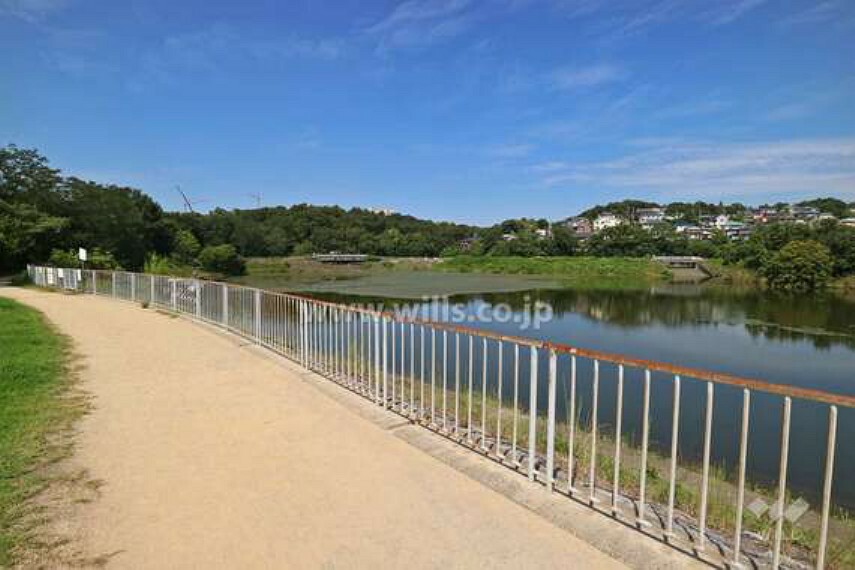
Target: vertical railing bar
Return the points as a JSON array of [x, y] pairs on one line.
[[484, 348], [743, 456], [782, 483], [422, 374], [499, 453], [457, 384], [618, 428], [826, 486], [571, 421], [515, 430], [550, 419], [412, 370], [675, 435], [532, 420], [469, 402], [385, 357], [445, 381], [645, 441], [702, 525], [592, 467]]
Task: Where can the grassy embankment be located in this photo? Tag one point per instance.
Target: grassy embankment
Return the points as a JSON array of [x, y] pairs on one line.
[[37, 406], [581, 272]]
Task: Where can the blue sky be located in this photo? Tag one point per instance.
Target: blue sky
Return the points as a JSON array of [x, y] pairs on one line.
[[462, 110]]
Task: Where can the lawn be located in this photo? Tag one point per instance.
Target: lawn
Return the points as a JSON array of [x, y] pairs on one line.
[[581, 272], [36, 407]]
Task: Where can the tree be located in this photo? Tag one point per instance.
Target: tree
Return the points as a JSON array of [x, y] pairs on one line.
[[222, 259], [800, 266], [186, 247]]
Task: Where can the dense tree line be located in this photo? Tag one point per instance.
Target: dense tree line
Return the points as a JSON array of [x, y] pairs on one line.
[[45, 217], [305, 229], [42, 211]]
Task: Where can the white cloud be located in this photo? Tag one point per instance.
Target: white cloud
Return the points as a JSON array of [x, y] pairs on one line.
[[584, 77], [714, 169]]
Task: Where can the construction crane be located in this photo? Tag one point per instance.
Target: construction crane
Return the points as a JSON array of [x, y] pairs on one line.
[[188, 205]]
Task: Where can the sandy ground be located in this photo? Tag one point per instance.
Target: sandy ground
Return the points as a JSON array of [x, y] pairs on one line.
[[213, 457]]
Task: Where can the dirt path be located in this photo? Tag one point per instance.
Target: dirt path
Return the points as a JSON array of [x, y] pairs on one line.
[[213, 457]]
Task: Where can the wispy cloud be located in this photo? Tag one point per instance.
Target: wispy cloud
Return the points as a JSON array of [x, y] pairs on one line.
[[819, 13], [715, 169], [590, 76], [216, 47], [727, 12], [421, 22], [29, 10]]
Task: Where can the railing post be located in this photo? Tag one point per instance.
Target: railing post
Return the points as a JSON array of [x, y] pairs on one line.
[[151, 298], [377, 372], [550, 419], [385, 364], [225, 319], [113, 283], [532, 419], [133, 286], [198, 297], [257, 317], [94, 282]]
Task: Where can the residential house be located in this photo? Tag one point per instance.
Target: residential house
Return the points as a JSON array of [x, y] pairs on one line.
[[607, 220], [542, 233], [698, 233], [806, 213], [581, 227], [849, 222], [765, 215], [649, 217]]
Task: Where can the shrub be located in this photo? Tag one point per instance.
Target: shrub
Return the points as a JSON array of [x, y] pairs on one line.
[[223, 259], [800, 266]]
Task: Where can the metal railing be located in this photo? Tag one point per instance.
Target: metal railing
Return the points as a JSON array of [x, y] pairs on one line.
[[558, 414]]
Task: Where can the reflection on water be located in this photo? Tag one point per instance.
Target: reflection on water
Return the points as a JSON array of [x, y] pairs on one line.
[[824, 321], [804, 341]]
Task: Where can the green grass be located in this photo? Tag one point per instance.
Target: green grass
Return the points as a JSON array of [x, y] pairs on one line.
[[583, 272], [36, 407]]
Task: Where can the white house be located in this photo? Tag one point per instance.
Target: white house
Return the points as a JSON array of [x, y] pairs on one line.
[[650, 216], [606, 220]]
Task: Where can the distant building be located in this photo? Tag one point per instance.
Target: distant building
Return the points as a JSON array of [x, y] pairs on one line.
[[721, 221], [765, 215], [736, 231], [466, 244], [806, 213], [697, 233], [509, 237], [650, 216], [850, 222], [607, 220], [581, 227], [382, 211], [542, 233]]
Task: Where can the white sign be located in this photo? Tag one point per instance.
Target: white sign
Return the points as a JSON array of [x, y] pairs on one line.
[[81, 254]]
